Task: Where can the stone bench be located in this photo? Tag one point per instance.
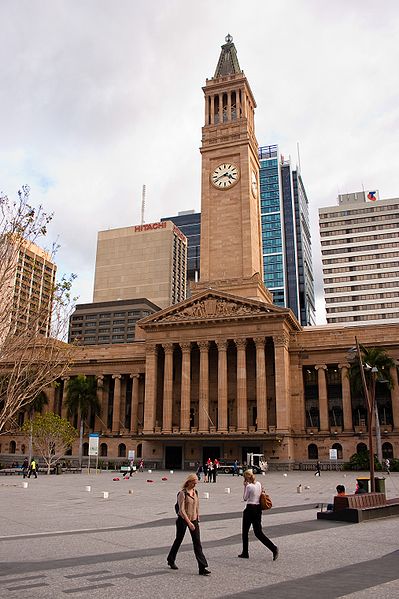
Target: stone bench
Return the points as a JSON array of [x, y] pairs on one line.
[[364, 506], [6, 471]]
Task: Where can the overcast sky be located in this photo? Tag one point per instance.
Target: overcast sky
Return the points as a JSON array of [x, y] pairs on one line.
[[99, 97]]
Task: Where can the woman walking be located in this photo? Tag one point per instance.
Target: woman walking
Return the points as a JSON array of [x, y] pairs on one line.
[[253, 515], [188, 516]]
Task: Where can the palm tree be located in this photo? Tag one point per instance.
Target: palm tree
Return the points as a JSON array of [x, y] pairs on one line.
[[376, 366], [81, 400], [36, 405]]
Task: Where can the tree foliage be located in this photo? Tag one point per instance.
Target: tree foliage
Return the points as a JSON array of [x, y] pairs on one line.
[[372, 357], [29, 360], [82, 400], [51, 437]]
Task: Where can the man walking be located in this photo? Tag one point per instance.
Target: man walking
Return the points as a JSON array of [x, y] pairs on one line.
[[33, 468]]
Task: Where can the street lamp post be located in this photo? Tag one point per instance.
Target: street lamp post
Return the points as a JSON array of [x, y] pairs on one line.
[[370, 401]]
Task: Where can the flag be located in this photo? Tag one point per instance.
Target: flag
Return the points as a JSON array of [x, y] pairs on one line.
[[372, 196]]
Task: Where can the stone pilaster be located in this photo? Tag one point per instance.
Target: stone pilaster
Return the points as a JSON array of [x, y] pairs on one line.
[[116, 408], [261, 387], [135, 403], [150, 388], [282, 380], [99, 421], [222, 385], [242, 407], [167, 389], [203, 406], [65, 380], [323, 399], [346, 398], [395, 398], [185, 387]]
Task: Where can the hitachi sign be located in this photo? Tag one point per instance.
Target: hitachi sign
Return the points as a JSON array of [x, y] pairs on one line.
[[149, 227]]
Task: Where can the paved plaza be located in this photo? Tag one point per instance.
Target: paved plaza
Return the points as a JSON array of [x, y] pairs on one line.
[[58, 540]]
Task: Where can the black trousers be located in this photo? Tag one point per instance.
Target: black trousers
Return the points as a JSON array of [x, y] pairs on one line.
[[253, 515], [181, 527]]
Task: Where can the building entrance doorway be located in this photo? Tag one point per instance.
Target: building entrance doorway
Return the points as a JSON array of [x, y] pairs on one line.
[[210, 452], [173, 457], [249, 449]]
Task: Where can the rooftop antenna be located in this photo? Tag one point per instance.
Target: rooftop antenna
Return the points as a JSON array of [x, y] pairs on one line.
[[142, 205], [299, 156]]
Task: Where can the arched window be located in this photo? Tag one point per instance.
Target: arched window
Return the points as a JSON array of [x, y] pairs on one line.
[[313, 452], [361, 448], [387, 451], [68, 451], [122, 450], [85, 449], [338, 447], [13, 447], [139, 450], [103, 450]]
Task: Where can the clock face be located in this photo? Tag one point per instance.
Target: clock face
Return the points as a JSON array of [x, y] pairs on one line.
[[225, 175], [254, 183]]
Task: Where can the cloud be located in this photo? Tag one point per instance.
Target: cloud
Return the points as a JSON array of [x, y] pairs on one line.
[[99, 98]]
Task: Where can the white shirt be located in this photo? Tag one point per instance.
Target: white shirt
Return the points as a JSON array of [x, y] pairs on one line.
[[252, 493]]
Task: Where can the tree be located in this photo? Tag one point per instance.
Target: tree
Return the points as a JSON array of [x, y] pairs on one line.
[[52, 436], [81, 400], [36, 405], [33, 353], [376, 365]]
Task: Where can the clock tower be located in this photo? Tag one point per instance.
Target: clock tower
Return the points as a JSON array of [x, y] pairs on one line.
[[231, 248]]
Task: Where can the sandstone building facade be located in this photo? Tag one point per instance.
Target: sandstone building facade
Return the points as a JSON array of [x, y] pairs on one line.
[[226, 372]]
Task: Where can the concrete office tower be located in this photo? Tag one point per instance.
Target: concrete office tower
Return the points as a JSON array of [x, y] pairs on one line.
[[360, 252], [189, 223], [31, 287], [286, 243], [143, 261]]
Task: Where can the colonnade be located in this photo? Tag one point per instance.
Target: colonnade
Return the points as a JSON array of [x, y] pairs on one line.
[[152, 387]]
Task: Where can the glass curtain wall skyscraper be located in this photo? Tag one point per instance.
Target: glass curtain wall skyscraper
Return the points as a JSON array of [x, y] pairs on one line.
[[286, 244]]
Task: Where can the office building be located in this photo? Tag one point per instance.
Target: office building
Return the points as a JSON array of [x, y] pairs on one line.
[[189, 223], [30, 282], [286, 243], [107, 323], [146, 260], [360, 253]]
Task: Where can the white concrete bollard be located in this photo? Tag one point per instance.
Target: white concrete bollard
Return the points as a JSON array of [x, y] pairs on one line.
[[307, 487], [130, 491], [88, 488], [263, 473], [24, 485], [105, 494], [206, 496], [299, 488], [171, 471], [227, 490], [285, 474], [150, 472]]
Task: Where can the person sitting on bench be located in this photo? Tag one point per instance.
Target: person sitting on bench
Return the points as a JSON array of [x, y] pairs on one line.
[[340, 492]]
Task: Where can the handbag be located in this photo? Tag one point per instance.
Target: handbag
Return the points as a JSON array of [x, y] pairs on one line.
[[265, 501]]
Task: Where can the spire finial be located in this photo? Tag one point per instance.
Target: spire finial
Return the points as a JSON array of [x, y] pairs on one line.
[[228, 38]]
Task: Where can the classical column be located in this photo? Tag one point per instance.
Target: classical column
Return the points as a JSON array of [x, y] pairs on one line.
[[238, 104], [220, 108], [261, 389], [222, 386], [150, 388], [212, 110], [167, 389], [203, 405], [282, 380], [395, 398], [323, 399], [135, 403], [116, 408], [229, 105], [65, 380], [242, 407], [99, 423], [346, 398], [185, 387], [50, 394]]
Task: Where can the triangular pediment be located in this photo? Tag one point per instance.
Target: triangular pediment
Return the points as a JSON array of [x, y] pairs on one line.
[[212, 306]]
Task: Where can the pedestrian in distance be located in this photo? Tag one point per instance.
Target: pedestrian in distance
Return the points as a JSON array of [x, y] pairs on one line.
[[215, 470], [253, 515], [387, 465], [33, 468], [25, 467], [141, 465], [205, 469], [235, 468], [188, 517], [317, 473]]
